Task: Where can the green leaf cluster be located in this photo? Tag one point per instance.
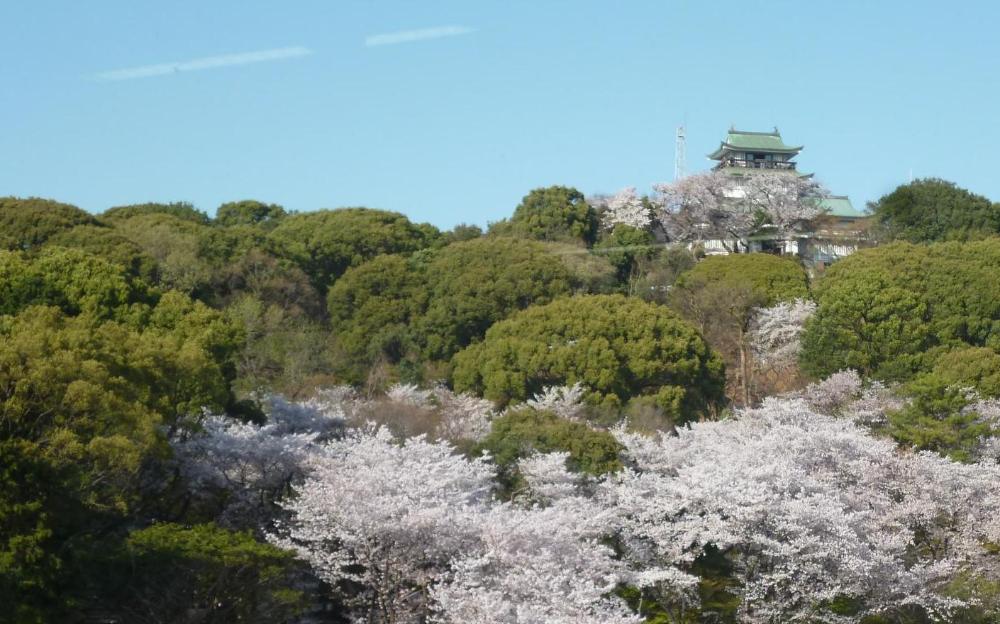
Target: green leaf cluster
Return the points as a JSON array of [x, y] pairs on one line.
[[328, 242], [554, 213], [617, 347], [891, 311], [935, 210], [772, 278], [27, 223], [433, 304]]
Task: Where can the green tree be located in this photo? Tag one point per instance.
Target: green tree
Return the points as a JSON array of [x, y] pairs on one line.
[[84, 406], [520, 434], [617, 347], [935, 210], [720, 294], [473, 284], [626, 248], [889, 312], [202, 573], [554, 213], [74, 281], [775, 278], [181, 210], [327, 242], [249, 212], [25, 224], [111, 245], [938, 419], [373, 306]]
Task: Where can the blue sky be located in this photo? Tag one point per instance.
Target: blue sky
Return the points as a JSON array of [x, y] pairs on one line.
[[458, 128]]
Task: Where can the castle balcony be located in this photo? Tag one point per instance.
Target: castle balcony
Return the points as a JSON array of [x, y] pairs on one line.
[[758, 164]]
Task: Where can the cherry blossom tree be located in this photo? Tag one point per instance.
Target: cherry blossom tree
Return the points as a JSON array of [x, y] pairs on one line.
[[563, 401], [627, 208], [812, 511], [389, 516], [719, 206], [542, 565], [775, 332]]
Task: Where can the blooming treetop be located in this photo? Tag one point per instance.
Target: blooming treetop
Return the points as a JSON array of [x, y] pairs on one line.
[[810, 508], [775, 332], [715, 205], [627, 208]]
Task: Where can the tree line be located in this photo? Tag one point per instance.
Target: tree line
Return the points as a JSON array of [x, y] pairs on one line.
[[180, 394]]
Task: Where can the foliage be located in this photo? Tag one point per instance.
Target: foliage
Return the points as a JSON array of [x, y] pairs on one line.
[[463, 232], [935, 210], [523, 432], [774, 278], [180, 210], [717, 205], [72, 280], [474, 284], [110, 245], [168, 572], [813, 513], [617, 347], [373, 306], [720, 296], [25, 224], [625, 247], [889, 312], [939, 418], [328, 242], [84, 405], [249, 212], [554, 213]]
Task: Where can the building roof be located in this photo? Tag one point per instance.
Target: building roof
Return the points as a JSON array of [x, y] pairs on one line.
[[839, 206], [743, 141]]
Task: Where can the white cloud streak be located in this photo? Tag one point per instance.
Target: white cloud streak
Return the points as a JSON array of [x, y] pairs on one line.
[[209, 62], [423, 34]]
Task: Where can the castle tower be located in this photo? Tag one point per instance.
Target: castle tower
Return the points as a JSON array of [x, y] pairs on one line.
[[743, 152]]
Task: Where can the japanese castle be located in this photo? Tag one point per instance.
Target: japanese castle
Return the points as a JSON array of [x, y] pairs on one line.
[[840, 233]]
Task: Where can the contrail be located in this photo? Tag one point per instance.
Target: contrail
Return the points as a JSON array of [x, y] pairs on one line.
[[209, 62], [423, 34]]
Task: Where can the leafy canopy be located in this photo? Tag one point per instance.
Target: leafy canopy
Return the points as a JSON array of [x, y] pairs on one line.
[[328, 242], [554, 213], [935, 210], [891, 311], [27, 223], [617, 347]]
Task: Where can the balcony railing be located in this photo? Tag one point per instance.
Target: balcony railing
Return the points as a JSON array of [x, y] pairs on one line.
[[759, 164]]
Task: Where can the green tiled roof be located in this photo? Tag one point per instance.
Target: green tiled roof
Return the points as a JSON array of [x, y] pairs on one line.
[[741, 141], [839, 206]]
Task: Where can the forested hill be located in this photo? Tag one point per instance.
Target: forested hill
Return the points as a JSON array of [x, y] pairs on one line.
[[343, 415]]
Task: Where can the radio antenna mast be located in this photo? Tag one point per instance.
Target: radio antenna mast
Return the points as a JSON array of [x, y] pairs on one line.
[[680, 154]]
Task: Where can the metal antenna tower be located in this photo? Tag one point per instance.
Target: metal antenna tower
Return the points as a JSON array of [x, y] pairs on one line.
[[680, 154]]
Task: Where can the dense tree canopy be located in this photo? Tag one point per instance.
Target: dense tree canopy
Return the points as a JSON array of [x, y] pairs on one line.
[[721, 294], [521, 433], [773, 278], [554, 213], [892, 310], [473, 284], [327, 242], [72, 280], [617, 347], [27, 223], [110, 244], [181, 210], [935, 210], [249, 212]]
